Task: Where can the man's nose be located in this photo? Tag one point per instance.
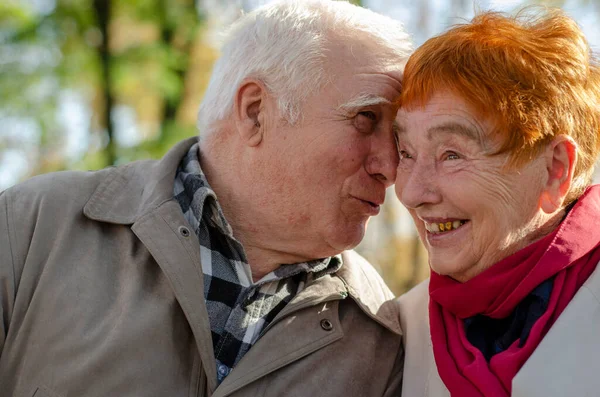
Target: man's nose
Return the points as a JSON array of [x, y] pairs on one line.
[[383, 161]]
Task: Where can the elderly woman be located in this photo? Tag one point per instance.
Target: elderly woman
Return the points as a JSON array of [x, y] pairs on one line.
[[498, 135]]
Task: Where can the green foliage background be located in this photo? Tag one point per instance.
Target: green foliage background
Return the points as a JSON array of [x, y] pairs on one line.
[[129, 53]]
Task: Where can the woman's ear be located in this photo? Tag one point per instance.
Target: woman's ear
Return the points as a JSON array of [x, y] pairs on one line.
[[249, 111], [561, 156]]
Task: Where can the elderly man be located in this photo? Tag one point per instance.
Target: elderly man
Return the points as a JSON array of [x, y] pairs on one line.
[[220, 270]]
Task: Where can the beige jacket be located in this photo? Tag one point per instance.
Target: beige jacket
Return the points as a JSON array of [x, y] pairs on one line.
[[101, 294], [565, 363]]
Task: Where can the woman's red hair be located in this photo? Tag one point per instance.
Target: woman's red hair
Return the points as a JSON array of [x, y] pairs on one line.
[[534, 76]]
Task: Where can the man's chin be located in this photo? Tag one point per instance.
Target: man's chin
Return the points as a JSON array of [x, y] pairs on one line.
[[346, 239]]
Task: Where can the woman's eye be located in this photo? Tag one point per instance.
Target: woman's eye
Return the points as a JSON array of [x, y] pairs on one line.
[[404, 154], [366, 121], [451, 156]]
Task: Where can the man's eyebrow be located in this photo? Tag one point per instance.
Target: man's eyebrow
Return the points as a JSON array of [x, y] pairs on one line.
[[364, 100]]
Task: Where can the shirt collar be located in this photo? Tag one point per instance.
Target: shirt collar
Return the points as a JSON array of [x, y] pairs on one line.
[[192, 189]]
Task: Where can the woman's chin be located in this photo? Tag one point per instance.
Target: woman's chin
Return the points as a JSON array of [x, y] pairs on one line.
[[448, 269], [439, 268]]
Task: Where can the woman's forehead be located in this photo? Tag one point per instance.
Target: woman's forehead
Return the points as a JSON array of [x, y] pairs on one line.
[[445, 113]]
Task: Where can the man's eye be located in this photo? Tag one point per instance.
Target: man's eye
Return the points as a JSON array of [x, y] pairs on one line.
[[365, 121], [370, 115]]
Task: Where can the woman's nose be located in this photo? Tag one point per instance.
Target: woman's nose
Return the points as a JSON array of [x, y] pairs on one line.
[[416, 186]]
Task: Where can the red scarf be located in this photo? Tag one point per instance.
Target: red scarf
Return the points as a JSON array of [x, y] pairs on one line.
[[569, 253]]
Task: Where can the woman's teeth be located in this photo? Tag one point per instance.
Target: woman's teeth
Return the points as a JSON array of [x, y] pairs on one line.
[[444, 226]]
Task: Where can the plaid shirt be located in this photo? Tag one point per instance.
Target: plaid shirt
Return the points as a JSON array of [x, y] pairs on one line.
[[238, 308]]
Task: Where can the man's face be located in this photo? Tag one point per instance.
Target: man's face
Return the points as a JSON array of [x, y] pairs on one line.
[[327, 174]]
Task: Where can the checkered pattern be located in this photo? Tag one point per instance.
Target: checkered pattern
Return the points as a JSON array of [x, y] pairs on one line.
[[238, 308]]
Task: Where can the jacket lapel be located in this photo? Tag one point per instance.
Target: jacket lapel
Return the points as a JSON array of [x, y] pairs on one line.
[[291, 337], [369, 291], [566, 361], [179, 258]]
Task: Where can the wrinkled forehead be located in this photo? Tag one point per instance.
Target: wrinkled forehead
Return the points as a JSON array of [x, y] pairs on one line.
[[359, 75], [445, 115], [358, 86], [446, 98]]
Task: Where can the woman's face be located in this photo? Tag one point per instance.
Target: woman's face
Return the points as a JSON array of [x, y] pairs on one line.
[[469, 210]]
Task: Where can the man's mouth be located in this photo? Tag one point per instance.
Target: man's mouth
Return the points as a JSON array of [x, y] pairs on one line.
[[372, 201], [444, 227], [371, 207], [372, 204]]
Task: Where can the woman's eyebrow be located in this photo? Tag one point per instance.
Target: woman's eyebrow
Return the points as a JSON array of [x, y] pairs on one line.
[[455, 129], [449, 128]]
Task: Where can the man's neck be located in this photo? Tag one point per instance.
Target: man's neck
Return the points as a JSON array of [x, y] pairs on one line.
[[258, 245], [263, 261]]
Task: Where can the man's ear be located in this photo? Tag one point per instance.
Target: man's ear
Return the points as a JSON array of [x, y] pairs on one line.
[[249, 111], [561, 155]]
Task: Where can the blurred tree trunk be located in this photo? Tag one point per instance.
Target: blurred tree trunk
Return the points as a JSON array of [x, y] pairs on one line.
[[183, 45], [102, 9]]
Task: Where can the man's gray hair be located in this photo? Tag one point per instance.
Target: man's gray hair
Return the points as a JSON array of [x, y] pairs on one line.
[[283, 44]]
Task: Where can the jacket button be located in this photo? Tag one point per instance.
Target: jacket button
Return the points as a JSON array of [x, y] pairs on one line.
[[222, 370], [326, 325], [184, 231]]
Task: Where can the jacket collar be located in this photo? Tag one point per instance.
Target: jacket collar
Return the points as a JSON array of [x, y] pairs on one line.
[[136, 188], [366, 287]]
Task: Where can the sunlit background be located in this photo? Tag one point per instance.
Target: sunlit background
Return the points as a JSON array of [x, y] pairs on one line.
[[85, 84]]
